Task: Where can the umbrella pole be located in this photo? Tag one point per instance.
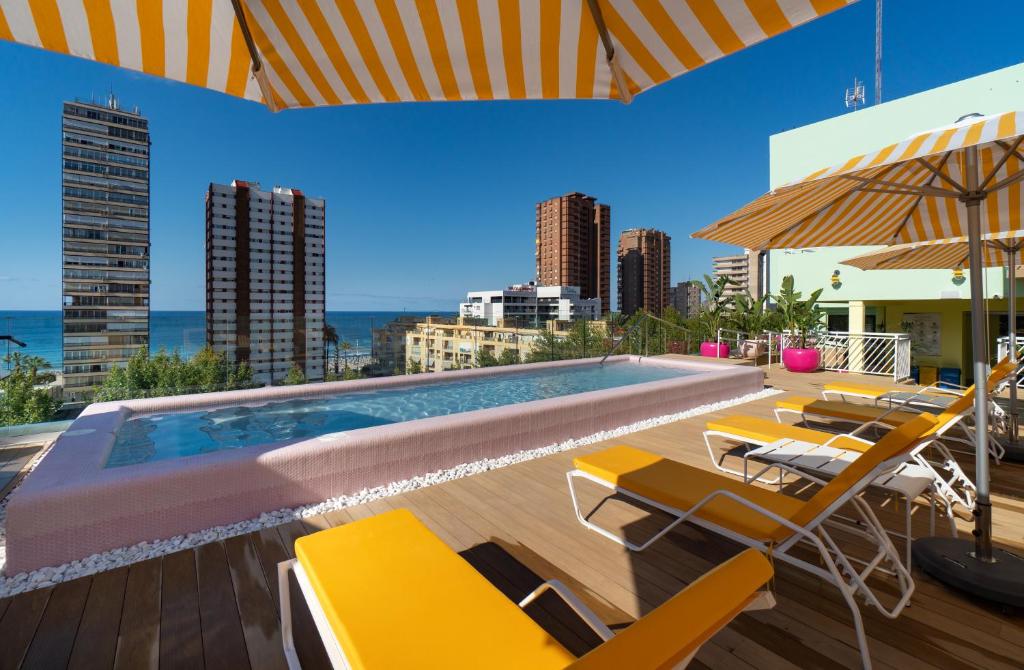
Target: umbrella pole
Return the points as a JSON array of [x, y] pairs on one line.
[[974, 566], [982, 506], [1011, 257]]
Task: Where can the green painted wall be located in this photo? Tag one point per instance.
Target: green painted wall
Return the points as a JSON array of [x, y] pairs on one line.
[[797, 153]]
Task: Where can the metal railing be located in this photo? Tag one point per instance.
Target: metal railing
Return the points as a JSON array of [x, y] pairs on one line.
[[885, 354]]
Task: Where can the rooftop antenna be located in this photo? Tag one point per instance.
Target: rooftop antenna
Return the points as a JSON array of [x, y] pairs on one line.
[[854, 97], [878, 52]]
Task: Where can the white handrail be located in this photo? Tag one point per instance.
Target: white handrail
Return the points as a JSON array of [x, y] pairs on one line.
[[865, 353]]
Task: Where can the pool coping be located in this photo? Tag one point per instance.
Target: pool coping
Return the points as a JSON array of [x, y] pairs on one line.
[[71, 506]]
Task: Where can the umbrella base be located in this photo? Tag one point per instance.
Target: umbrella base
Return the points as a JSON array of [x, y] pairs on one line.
[[950, 561], [1014, 452]]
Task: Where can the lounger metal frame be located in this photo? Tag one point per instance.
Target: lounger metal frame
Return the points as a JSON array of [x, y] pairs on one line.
[[954, 488], [995, 448], [839, 569]]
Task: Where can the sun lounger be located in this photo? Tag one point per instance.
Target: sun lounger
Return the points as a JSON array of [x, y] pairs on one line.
[[385, 592], [936, 396], [931, 458], [816, 410], [770, 521]]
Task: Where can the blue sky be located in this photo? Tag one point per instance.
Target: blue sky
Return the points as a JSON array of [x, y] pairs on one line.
[[427, 201]]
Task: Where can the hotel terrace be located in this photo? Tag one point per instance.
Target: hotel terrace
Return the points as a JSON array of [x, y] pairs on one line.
[[612, 510]]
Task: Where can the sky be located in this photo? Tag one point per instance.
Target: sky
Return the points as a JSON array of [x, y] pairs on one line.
[[426, 201]]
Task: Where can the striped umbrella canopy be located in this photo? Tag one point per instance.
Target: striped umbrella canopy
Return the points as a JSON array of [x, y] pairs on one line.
[[912, 191], [960, 180], [308, 53], [951, 253]]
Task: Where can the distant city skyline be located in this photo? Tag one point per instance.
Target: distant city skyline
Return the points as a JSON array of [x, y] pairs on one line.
[[431, 200]]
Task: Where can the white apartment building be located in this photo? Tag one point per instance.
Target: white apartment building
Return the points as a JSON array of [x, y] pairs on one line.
[[530, 305], [265, 279]]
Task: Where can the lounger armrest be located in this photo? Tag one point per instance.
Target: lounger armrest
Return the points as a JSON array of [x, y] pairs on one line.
[[578, 606], [783, 467], [782, 521], [851, 436]]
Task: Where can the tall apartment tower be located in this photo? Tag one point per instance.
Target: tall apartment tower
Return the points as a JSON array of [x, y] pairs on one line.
[[265, 279], [743, 271], [573, 246], [685, 297], [105, 237], [645, 266]]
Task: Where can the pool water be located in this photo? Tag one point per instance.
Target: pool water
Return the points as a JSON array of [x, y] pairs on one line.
[[173, 435]]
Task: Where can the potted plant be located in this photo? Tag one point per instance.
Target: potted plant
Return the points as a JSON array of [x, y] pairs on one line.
[[750, 318], [713, 315], [801, 318]]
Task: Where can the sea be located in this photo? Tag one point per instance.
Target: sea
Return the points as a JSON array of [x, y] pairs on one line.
[[181, 331]]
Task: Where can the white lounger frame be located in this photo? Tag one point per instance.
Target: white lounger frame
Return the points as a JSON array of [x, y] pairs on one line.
[[839, 569], [762, 600], [908, 481], [994, 447], [954, 488]]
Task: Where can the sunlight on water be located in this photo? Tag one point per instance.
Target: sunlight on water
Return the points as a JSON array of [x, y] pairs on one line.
[[160, 436]]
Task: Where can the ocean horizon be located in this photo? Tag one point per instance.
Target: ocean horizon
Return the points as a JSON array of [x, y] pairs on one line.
[[182, 331]]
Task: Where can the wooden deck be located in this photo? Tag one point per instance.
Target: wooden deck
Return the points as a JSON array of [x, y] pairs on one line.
[[216, 606]]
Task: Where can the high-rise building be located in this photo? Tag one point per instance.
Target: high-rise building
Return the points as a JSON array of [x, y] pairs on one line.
[[573, 246], [105, 220], [743, 271], [645, 266], [265, 279], [685, 297]]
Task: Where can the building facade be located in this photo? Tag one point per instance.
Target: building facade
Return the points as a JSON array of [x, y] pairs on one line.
[[442, 343], [265, 279], [388, 344], [685, 298], [645, 266], [530, 305], [744, 272], [574, 247], [932, 305], [105, 234]]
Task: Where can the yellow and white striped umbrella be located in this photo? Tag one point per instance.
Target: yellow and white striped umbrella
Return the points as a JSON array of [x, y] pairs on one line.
[[911, 191], [947, 254], [308, 53]]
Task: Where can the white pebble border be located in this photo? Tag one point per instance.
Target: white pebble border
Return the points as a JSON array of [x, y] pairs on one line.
[[115, 558]]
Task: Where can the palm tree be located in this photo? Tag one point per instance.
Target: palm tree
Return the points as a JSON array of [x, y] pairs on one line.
[[346, 346], [330, 338]]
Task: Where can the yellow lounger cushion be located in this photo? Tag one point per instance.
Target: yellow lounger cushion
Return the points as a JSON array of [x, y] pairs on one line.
[[764, 431], [396, 596], [682, 624], [843, 410], [867, 390], [683, 486]]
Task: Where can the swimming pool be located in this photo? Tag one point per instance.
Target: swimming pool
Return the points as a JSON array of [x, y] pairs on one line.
[[159, 436], [228, 457]]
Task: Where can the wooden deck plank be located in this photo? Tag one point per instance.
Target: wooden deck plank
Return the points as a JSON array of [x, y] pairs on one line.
[[55, 637], [222, 638], [18, 626], [138, 639], [255, 606], [96, 642], [270, 551], [181, 641]]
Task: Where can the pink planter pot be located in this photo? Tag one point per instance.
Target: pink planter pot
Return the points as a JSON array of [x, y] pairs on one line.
[[801, 360], [714, 350]]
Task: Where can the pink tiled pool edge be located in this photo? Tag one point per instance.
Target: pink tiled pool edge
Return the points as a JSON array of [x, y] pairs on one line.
[[71, 506]]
